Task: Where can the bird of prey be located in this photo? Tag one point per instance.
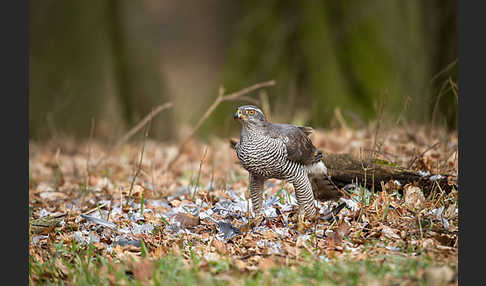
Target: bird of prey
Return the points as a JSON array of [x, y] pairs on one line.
[[282, 151]]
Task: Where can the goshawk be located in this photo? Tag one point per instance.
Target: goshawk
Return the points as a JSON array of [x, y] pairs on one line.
[[284, 152]]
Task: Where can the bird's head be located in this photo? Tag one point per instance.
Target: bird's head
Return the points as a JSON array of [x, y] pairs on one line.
[[250, 115]]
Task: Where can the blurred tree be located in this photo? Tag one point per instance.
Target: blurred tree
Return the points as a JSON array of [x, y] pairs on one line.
[[348, 54], [441, 29], [102, 59], [92, 59]]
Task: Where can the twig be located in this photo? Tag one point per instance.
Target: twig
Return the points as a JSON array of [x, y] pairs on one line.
[[448, 67], [137, 128], [408, 99], [121, 197], [199, 173], [95, 208], [99, 221], [420, 226], [88, 171], [221, 98], [340, 118], [87, 180], [57, 108], [381, 108], [250, 99], [454, 88], [386, 154], [140, 162], [444, 165], [265, 104], [142, 123], [422, 154], [109, 211], [442, 91]]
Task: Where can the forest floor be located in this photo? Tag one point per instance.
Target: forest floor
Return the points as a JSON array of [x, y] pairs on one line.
[[100, 215]]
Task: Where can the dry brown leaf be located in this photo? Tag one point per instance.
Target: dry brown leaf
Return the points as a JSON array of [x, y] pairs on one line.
[[414, 197], [53, 196], [390, 233], [270, 234], [175, 203], [438, 275], [220, 246], [143, 270], [240, 264], [187, 220], [159, 251], [267, 263]]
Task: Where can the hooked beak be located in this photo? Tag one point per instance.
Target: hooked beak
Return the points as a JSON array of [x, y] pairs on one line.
[[239, 115]]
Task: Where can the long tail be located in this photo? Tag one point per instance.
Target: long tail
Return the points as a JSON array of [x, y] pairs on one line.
[[324, 189]]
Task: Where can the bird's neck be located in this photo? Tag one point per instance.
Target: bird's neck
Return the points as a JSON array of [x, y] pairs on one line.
[[250, 130]]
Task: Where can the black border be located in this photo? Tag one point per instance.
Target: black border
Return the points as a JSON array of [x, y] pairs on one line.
[[14, 20], [471, 75]]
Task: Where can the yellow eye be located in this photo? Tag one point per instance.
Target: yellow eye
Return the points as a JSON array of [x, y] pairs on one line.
[[251, 112]]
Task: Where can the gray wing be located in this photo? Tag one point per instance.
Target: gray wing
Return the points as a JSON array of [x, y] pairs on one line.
[[299, 146]]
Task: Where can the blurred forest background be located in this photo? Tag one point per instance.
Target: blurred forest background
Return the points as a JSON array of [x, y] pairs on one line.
[[112, 61]]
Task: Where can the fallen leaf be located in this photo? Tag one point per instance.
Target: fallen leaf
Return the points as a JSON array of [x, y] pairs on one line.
[[267, 263], [220, 246], [187, 220], [53, 196], [414, 197], [388, 232], [435, 276], [240, 264], [143, 270]]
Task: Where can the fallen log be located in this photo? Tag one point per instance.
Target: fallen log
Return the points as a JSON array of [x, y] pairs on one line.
[[371, 173], [345, 169]]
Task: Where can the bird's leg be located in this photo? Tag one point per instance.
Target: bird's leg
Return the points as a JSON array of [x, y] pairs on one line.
[[305, 198], [256, 193]]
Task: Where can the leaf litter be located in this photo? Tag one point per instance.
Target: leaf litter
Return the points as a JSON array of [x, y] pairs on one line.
[[205, 210]]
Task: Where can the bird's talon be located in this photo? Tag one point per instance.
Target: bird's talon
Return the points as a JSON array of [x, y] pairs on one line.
[[256, 221]]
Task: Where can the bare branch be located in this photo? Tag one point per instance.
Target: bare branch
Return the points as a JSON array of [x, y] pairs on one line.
[[422, 154], [141, 158], [221, 98], [237, 94], [196, 184], [142, 123], [136, 128]]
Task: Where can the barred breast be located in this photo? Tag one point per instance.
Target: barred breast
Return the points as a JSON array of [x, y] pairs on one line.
[[264, 156]]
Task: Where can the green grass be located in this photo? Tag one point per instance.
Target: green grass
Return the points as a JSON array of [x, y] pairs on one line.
[[84, 267]]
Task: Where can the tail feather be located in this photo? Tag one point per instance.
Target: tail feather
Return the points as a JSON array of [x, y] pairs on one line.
[[324, 189]]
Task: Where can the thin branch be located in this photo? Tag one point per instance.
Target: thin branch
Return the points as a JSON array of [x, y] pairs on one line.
[[221, 98], [199, 173], [95, 208], [87, 181], [422, 154], [454, 88], [88, 169], [250, 99], [265, 104], [381, 109], [142, 123], [448, 67], [140, 162], [137, 128], [386, 154]]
